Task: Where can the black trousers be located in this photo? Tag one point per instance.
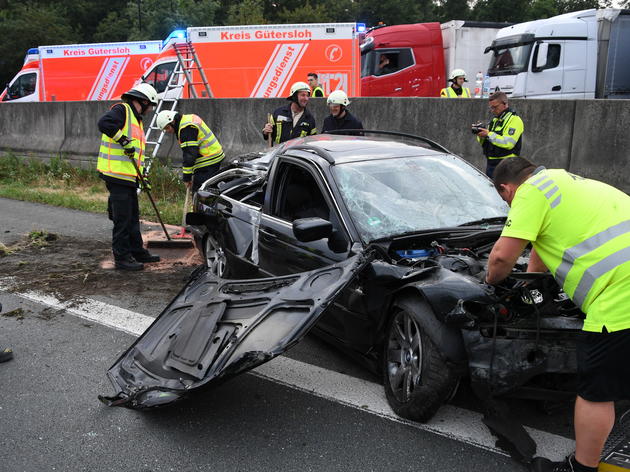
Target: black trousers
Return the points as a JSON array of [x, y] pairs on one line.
[[491, 164], [203, 174], [123, 210]]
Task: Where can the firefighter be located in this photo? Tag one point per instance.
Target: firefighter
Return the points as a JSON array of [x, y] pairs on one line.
[[504, 137], [456, 89], [122, 140], [202, 152], [292, 120], [316, 90], [340, 117], [586, 247]]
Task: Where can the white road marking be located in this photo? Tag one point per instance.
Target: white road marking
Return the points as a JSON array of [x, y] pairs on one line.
[[451, 421]]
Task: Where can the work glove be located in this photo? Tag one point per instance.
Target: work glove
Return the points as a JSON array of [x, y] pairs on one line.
[[145, 184], [128, 148]]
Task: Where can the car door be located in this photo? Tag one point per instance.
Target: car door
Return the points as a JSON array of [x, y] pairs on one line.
[[298, 191], [215, 329]]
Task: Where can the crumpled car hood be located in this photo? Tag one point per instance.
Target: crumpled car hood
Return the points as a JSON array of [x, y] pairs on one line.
[[216, 328]]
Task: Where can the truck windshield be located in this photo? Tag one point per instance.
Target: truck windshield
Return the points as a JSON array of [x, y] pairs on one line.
[[509, 60], [388, 197]]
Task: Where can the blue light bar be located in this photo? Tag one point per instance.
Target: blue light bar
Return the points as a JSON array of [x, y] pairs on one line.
[[33, 51], [179, 34], [360, 27]]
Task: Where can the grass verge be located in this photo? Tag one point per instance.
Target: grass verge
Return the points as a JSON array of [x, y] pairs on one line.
[[60, 184]]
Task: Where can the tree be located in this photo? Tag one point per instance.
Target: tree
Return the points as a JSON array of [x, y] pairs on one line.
[[452, 10], [512, 11], [395, 12], [28, 25], [156, 19], [247, 12], [542, 9], [306, 14]]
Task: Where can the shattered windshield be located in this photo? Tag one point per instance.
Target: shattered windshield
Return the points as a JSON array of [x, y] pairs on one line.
[[389, 197]]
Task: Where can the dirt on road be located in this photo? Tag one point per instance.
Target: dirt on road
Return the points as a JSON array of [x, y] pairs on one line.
[[72, 268]]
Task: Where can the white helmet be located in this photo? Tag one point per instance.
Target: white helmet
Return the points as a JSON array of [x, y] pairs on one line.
[[165, 118], [299, 87], [338, 97], [457, 73], [143, 91]]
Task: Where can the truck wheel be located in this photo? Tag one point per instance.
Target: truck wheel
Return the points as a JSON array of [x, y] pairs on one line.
[[214, 257], [417, 378]]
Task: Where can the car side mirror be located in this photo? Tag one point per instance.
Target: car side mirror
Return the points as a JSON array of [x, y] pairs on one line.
[[311, 229]]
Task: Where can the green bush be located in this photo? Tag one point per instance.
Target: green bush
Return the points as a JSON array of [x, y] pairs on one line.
[[23, 179]]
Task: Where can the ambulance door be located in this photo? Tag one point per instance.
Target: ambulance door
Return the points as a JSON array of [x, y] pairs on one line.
[[23, 88]]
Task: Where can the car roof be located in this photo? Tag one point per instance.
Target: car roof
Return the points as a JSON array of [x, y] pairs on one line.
[[341, 149]]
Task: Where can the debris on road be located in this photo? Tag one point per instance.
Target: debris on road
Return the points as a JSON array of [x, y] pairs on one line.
[[72, 267]]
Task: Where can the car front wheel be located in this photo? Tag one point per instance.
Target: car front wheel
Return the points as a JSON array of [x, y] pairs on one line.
[[215, 257], [417, 378]]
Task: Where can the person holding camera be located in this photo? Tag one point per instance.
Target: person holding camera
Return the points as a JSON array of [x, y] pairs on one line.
[[504, 137]]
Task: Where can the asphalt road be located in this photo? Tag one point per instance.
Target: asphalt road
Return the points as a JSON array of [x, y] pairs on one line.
[[50, 418]]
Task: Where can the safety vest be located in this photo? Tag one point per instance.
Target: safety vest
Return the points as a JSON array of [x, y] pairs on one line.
[[507, 145], [210, 150], [448, 92], [112, 160], [580, 229], [318, 89]]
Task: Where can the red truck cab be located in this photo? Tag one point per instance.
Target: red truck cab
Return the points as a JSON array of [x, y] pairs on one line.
[[403, 61]]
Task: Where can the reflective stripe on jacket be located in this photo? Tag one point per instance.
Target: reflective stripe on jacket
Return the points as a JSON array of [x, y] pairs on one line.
[[580, 229], [283, 128], [112, 160], [448, 92], [210, 150], [505, 137]]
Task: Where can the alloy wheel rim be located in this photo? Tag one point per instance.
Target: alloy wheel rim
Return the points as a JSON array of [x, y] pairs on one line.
[[215, 258], [404, 357]]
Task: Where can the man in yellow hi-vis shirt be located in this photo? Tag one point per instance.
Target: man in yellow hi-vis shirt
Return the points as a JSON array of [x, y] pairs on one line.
[[580, 231]]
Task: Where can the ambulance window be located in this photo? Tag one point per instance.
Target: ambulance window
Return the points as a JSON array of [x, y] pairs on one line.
[[159, 76], [24, 85]]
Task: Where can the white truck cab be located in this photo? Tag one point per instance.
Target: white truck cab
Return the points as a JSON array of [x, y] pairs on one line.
[[582, 54]]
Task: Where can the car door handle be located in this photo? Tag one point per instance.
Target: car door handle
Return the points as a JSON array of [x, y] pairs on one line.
[[397, 89], [556, 88], [266, 234]]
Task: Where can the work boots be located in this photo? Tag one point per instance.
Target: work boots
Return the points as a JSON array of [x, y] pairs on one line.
[[145, 257], [128, 263]]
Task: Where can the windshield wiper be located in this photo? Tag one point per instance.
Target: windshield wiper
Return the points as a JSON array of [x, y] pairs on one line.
[[494, 219]]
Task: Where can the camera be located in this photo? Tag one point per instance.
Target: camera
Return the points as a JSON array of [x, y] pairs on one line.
[[477, 127]]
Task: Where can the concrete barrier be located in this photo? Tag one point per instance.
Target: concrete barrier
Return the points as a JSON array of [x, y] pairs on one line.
[[589, 137]]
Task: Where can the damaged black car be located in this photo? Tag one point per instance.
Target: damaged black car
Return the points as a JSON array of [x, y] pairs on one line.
[[376, 243]]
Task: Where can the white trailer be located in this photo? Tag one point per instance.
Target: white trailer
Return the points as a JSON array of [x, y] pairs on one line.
[[464, 45]]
